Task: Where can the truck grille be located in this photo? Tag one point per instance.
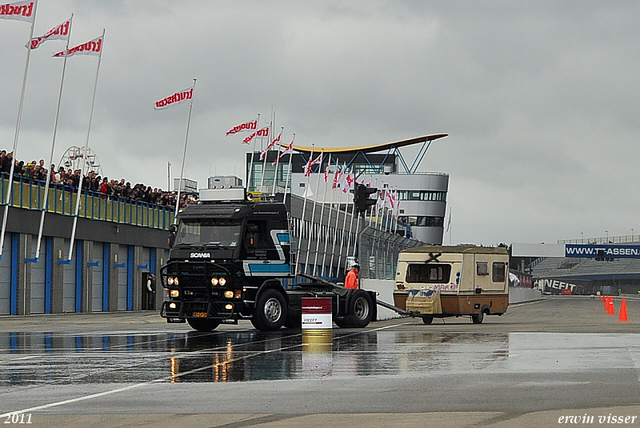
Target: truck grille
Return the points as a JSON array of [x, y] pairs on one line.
[[196, 275]]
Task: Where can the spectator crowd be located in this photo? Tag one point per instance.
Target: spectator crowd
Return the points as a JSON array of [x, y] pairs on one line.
[[35, 172]]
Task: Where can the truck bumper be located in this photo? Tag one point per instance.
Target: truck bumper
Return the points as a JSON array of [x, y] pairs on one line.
[[212, 310]]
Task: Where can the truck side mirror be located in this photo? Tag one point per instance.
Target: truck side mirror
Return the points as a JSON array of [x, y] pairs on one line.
[[172, 235]]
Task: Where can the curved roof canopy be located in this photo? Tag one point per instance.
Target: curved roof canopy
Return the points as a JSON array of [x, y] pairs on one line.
[[373, 148]]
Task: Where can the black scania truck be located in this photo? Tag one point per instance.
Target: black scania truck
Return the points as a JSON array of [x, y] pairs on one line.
[[230, 259]]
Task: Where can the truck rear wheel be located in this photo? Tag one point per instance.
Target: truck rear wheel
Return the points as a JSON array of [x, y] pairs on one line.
[[202, 324], [271, 311], [360, 311], [427, 319]]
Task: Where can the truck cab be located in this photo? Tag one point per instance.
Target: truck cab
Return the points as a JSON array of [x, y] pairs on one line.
[[230, 259]]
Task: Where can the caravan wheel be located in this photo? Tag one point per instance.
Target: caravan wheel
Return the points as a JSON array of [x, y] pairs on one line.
[[478, 318]]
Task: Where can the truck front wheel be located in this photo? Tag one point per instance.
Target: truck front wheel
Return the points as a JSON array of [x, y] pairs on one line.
[[202, 324], [271, 311]]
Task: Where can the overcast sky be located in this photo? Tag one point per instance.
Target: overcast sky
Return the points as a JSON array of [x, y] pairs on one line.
[[540, 99]]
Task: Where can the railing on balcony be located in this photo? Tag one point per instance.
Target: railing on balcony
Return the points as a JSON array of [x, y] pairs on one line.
[[29, 194]]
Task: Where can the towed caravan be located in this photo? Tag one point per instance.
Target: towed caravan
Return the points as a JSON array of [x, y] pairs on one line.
[[442, 281]]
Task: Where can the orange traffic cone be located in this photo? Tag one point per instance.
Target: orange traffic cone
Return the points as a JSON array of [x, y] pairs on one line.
[[611, 310], [605, 299], [623, 311]]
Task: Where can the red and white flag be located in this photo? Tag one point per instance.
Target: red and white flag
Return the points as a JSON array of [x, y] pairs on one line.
[[252, 125], [337, 176], [248, 139], [264, 132], [347, 182], [310, 164], [59, 32], [20, 10], [287, 150], [273, 143], [326, 173], [380, 200], [92, 47], [175, 99]]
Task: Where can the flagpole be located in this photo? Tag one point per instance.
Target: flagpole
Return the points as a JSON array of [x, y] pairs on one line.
[[264, 161], [286, 182], [86, 149], [304, 208], [338, 204], [252, 152], [344, 230], [53, 145], [354, 215], [313, 213], [275, 174], [184, 156], [326, 241], [324, 200], [17, 131]]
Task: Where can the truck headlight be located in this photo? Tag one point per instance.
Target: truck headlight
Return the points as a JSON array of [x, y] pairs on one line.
[[172, 280], [228, 294], [218, 281], [174, 293]]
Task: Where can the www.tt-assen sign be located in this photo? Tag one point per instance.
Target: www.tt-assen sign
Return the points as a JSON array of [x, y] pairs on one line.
[[603, 250]]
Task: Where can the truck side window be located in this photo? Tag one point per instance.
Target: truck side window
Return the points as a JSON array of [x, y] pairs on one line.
[[498, 270], [482, 268], [253, 236]]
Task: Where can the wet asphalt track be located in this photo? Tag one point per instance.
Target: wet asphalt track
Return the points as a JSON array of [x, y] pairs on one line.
[[558, 357]]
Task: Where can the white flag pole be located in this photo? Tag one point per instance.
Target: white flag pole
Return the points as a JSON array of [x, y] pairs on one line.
[[252, 152], [286, 181], [264, 161], [354, 215], [326, 241], [344, 227], [17, 132], [304, 208], [184, 156], [313, 213], [275, 173], [324, 201], [86, 149], [338, 205], [43, 208]]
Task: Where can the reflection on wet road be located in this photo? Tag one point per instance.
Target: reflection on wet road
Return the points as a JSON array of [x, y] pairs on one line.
[[32, 359]]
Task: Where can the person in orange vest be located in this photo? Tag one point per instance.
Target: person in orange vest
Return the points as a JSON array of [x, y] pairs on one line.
[[351, 281]]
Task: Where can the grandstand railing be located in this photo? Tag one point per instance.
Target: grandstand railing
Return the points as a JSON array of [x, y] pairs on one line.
[[29, 194]]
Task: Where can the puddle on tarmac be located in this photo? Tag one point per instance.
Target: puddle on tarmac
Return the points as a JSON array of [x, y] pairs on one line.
[[249, 355]]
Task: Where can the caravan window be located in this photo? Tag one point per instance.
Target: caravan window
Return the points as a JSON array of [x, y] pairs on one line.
[[498, 270], [428, 273], [482, 268]]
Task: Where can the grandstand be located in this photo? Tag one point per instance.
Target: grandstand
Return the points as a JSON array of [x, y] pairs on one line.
[[588, 275]]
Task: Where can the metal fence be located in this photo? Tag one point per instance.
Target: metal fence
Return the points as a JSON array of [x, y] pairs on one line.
[[93, 205]]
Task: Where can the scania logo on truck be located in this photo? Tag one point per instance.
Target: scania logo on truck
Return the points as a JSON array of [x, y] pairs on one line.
[[200, 255]]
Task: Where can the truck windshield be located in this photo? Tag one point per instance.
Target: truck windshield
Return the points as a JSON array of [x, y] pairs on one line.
[[208, 233]]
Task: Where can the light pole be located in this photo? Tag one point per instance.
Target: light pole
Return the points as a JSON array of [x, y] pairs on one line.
[[582, 237], [607, 232]]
